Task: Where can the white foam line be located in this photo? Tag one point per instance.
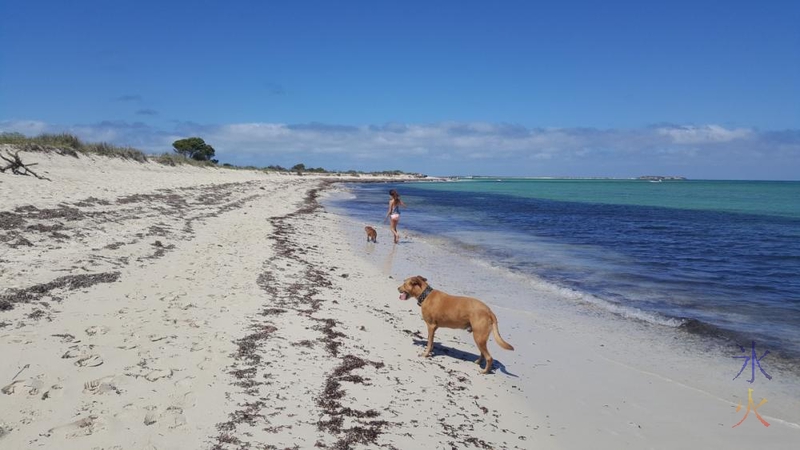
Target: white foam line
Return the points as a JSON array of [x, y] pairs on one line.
[[575, 295]]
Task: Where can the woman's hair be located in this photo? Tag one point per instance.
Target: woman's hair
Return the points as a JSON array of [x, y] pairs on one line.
[[394, 194]]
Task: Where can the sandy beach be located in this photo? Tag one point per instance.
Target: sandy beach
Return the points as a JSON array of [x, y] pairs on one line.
[[153, 307]]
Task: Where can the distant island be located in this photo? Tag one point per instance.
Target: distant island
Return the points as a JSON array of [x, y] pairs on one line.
[[661, 178]]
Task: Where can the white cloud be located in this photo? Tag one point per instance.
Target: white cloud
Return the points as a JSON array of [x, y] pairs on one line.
[[471, 147], [26, 127], [704, 134]]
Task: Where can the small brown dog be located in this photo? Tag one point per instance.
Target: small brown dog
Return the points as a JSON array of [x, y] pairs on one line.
[[372, 235], [449, 311]]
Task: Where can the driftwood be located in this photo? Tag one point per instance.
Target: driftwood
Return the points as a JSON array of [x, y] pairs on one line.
[[17, 167]]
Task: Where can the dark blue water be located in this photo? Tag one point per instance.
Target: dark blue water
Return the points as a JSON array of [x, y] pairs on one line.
[[735, 275]]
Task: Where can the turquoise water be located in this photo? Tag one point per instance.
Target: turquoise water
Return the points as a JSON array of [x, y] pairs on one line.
[[778, 198], [714, 257]]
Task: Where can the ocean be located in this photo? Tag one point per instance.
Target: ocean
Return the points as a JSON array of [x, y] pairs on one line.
[[714, 258]]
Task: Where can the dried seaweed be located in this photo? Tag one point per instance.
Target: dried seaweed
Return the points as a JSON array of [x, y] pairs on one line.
[[68, 283]]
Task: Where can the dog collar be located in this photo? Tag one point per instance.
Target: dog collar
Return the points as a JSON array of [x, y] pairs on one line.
[[424, 295]]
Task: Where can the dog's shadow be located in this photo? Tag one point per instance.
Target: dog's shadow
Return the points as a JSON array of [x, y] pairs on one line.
[[439, 349]]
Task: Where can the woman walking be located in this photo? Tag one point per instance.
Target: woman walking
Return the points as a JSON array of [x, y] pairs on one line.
[[394, 213]]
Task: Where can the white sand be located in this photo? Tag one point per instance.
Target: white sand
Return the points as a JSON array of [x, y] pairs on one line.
[[233, 314]]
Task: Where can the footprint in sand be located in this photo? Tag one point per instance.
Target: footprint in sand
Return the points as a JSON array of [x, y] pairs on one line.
[[30, 386], [127, 413], [5, 430], [75, 351], [202, 365], [186, 401], [197, 323], [89, 361], [173, 417], [185, 382], [12, 388], [172, 297], [151, 417], [196, 347], [81, 427], [93, 330], [158, 374], [66, 338], [220, 336], [101, 386], [127, 347], [56, 391]]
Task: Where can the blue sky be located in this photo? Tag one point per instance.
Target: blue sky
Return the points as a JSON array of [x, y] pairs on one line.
[[701, 89]]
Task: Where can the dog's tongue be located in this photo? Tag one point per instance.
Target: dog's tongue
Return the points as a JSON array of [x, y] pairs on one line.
[[404, 296]]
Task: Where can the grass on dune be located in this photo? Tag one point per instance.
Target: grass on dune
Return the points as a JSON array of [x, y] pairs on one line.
[[68, 144]]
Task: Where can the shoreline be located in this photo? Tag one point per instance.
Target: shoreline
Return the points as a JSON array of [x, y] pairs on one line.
[[245, 315], [559, 263], [689, 364], [705, 334]]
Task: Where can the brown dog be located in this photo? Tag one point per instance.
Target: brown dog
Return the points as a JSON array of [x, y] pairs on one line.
[[449, 311], [372, 235]]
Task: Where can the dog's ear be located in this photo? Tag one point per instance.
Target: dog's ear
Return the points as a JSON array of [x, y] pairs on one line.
[[417, 280], [422, 278]]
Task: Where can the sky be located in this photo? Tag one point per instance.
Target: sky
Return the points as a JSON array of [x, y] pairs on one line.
[[700, 89]]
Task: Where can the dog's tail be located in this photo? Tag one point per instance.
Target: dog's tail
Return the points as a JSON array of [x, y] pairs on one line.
[[497, 337]]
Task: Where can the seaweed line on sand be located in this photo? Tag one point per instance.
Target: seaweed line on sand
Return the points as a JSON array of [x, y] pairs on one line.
[[68, 283], [300, 296]]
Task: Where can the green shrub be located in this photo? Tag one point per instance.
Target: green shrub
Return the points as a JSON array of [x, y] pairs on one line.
[[174, 159]]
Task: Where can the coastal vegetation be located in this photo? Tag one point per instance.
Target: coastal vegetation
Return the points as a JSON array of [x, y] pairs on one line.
[[193, 151], [68, 144], [194, 148]]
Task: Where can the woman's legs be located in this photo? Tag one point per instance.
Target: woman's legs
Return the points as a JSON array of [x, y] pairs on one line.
[[394, 229]]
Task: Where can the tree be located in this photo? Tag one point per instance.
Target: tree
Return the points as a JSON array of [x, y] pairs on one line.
[[194, 148], [299, 167]]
